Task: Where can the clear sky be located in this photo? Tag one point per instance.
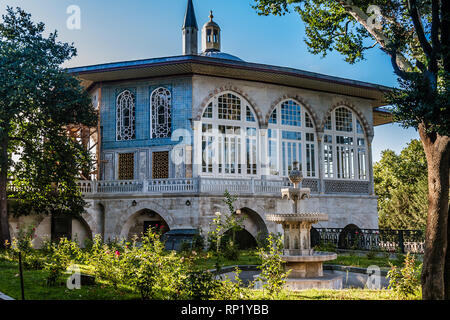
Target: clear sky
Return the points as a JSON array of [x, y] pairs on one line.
[[120, 30]]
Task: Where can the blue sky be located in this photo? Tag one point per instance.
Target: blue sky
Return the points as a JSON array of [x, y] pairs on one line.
[[118, 30]]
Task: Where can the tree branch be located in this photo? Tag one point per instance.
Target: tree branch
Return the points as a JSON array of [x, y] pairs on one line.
[[414, 13], [400, 62]]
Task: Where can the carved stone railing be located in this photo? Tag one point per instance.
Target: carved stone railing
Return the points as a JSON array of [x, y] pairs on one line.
[[217, 186]]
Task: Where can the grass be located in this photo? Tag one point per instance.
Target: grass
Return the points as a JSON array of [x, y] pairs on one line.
[[207, 260], [36, 289]]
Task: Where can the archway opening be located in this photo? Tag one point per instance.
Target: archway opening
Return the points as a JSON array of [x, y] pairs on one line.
[[144, 220], [350, 237], [243, 239]]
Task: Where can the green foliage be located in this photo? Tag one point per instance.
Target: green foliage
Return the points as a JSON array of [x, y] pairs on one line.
[[61, 256], [272, 274], [39, 100], [200, 285], [405, 281], [221, 237], [401, 186], [325, 246]]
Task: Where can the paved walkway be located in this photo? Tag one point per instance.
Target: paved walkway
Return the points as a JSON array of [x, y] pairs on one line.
[[5, 297]]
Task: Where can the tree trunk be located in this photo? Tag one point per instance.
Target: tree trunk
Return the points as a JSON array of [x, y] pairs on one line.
[[4, 222], [437, 150], [447, 265]]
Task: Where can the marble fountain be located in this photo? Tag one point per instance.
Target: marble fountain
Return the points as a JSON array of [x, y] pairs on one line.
[[305, 264]]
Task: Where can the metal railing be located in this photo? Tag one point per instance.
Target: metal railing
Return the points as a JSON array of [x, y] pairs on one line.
[[412, 241]]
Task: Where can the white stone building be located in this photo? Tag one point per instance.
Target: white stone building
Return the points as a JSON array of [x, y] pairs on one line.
[[176, 132]]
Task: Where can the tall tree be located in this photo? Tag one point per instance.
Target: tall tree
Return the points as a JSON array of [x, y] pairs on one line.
[[38, 99], [416, 36], [401, 186]]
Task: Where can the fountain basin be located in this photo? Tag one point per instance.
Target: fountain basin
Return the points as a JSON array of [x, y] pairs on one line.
[[307, 266]]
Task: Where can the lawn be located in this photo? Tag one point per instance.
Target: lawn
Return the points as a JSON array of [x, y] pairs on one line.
[[36, 289]]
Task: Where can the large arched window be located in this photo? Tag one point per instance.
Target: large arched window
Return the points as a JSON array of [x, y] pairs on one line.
[[161, 117], [345, 147], [125, 119], [229, 137], [292, 138]]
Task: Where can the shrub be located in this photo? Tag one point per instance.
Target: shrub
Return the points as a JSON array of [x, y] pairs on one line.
[[61, 256], [405, 281], [326, 246], [200, 285], [272, 270]]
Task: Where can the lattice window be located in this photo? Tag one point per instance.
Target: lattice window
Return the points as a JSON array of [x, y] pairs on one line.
[[345, 154], [291, 114], [208, 111], [160, 165], [229, 137], [292, 140], [250, 116], [126, 166], [308, 122], [161, 102], [229, 107], [344, 120], [125, 126]]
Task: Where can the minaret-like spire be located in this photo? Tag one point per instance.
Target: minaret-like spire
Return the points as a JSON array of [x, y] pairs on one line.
[[190, 31]]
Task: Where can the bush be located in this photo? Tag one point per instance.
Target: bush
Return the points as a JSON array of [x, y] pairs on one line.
[[199, 285], [326, 246], [61, 256], [405, 281], [272, 270]]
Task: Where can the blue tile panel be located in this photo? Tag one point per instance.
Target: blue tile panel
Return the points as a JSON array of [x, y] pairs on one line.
[[181, 90]]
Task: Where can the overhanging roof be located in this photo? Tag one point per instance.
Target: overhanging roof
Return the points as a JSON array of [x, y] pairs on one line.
[[190, 64]]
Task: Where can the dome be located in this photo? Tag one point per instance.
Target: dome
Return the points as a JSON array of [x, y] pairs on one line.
[[220, 55]]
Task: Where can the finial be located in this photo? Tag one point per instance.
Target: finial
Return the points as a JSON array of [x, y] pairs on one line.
[[211, 15], [295, 176]]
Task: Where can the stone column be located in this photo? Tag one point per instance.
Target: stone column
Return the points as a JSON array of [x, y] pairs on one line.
[[263, 152], [320, 165], [197, 148], [370, 166]]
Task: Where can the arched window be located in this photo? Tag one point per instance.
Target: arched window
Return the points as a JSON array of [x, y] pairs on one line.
[[345, 147], [292, 138], [125, 125], [161, 117], [229, 137]]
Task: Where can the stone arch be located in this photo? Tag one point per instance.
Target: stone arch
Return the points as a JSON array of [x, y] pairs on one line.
[[233, 89], [133, 212], [348, 237], [254, 224], [300, 101], [81, 230], [368, 131]]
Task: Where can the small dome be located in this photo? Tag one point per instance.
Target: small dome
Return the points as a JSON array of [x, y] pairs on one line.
[[211, 24], [220, 55]]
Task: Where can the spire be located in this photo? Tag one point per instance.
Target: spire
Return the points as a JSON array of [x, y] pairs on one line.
[[190, 31], [189, 19]]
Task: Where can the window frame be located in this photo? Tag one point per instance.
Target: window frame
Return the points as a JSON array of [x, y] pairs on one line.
[[212, 139], [338, 168]]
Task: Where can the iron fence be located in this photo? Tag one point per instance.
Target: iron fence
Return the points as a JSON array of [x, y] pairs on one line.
[[370, 239]]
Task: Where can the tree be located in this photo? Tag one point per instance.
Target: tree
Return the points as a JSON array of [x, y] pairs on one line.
[[416, 36], [38, 100], [401, 186]]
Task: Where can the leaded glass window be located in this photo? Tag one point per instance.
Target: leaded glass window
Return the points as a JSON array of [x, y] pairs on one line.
[[125, 107], [161, 104]]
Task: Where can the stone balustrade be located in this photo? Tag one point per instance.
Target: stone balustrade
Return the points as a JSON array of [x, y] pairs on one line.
[[209, 185]]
